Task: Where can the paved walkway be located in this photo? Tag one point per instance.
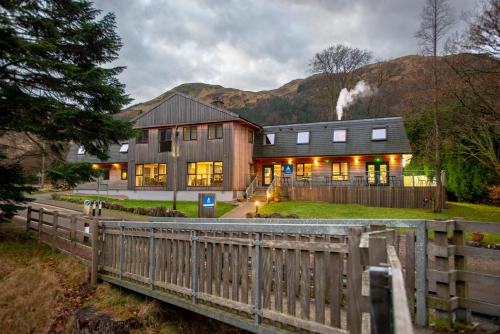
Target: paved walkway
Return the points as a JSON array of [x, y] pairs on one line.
[[241, 210]]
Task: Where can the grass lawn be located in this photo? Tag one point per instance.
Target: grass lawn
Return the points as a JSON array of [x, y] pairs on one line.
[[189, 208]]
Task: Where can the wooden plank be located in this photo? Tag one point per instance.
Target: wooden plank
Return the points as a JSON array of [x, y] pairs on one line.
[[225, 271], [304, 284], [335, 268], [210, 269], [461, 286], [410, 267], [267, 276], [217, 256], [278, 279], [202, 268], [187, 264], [442, 264], [354, 283], [235, 270], [244, 273], [377, 253], [291, 270], [95, 252], [319, 286], [308, 325], [486, 253], [477, 226], [310, 245]]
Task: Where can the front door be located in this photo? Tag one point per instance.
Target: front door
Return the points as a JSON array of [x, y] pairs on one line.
[[377, 173], [267, 175]]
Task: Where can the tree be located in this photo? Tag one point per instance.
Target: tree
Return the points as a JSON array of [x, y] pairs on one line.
[[338, 64], [436, 20], [68, 175], [53, 84]]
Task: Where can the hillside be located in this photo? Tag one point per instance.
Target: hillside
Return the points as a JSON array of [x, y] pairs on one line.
[[305, 100]]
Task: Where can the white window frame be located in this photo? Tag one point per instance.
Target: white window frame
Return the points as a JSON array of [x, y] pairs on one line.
[[124, 148], [271, 137], [303, 137], [341, 140], [376, 136], [81, 150]]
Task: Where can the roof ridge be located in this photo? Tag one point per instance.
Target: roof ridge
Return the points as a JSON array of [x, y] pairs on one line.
[[336, 122]]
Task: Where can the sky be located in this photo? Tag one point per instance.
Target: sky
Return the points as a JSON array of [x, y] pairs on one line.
[[252, 44]]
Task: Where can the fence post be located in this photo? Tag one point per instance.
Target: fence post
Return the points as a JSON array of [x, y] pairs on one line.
[[122, 249], [40, 224], [463, 315], [257, 281], [442, 265], [95, 251], [55, 221], [28, 218], [195, 259], [421, 276], [151, 258], [354, 282], [410, 269], [72, 233]]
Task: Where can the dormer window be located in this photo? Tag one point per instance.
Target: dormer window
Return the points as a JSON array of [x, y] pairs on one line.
[[124, 148], [379, 134], [269, 139], [81, 150], [340, 136], [303, 137]]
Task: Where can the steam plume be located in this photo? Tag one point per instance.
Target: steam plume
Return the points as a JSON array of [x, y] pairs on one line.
[[347, 97]]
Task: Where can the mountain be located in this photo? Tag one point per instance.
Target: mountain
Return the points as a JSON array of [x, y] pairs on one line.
[[306, 100]]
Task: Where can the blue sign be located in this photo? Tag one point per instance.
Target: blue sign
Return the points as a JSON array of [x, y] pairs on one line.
[[287, 169], [208, 201], [86, 202]]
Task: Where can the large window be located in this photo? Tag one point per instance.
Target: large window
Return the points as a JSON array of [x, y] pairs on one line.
[[269, 139], [189, 133], [303, 137], [304, 170], [340, 171], [379, 134], [204, 174], [150, 175], [340, 136], [214, 131], [165, 138], [143, 137]]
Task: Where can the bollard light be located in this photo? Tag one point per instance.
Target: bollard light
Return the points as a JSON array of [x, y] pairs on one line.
[[256, 206]]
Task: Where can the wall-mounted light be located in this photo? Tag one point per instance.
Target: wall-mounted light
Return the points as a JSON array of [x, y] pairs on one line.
[[393, 158], [95, 166], [378, 159], [116, 165], [315, 161], [289, 161], [356, 159]]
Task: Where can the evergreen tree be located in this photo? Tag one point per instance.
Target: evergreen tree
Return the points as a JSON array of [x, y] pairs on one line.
[[53, 83]]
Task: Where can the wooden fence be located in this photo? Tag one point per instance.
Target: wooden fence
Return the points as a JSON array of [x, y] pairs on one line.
[[69, 233], [390, 197], [450, 272]]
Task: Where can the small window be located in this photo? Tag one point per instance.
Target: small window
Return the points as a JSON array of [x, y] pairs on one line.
[[143, 137], [123, 174], [250, 136], [339, 136], [269, 139], [215, 131], [124, 148], [106, 174], [81, 150], [304, 170], [189, 133], [165, 140], [340, 171], [379, 134], [303, 137]]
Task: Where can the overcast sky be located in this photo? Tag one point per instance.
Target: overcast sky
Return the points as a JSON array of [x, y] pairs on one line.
[[251, 45]]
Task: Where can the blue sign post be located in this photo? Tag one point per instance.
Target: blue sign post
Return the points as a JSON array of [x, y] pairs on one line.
[[206, 205], [287, 169]]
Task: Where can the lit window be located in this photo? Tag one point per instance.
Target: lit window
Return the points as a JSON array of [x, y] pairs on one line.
[[303, 137], [81, 150], [123, 174], [339, 136], [340, 171], [150, 175], [215, 131], [204, 174], [304, 170], [379, 134], [269, 139], [124, 148]]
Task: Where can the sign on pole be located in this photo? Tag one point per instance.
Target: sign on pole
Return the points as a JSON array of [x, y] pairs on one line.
[[206, 205]]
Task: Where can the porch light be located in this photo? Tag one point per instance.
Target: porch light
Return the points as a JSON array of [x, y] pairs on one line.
[[378, 159], [95, 166], [315, 161], [327, 161], [356, 159], [116, 165], [289, 161], [393, 159]]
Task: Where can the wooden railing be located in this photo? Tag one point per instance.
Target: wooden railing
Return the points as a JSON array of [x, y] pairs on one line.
[[251, 188], [447, 274], [69, 233]]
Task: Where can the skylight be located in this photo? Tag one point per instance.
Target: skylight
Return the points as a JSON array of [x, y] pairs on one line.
[[379, 134], [339, 136], [303, 137], [269, 139], [81, 150], [124, 148]]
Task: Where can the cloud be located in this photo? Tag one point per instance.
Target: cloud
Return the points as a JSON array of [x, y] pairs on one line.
[[253, 45]]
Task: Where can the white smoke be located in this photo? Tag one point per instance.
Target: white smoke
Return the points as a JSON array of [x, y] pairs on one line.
[[347, 97]]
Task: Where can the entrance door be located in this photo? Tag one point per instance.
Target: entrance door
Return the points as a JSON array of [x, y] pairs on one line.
[[267, 175], [377, 173]]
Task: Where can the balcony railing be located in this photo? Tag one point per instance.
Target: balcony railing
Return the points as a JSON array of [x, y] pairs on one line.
[[399, 179]]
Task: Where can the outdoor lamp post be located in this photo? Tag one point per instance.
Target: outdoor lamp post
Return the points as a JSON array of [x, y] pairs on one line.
[[256, 207]]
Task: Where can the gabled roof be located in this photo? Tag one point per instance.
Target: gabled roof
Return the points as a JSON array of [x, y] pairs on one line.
[[179, 108], [321, 143]]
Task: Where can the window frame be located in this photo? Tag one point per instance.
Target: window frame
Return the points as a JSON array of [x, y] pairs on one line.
[[303, 173], [121, 148], [379, 128], [124, 171], [187, 133], [339, 141], [81, 150], [157, 175], [143, 137], [308, 137], [215, 132], [161, 140], [273, 141], [344, 175], [213, 176], [251, 134]]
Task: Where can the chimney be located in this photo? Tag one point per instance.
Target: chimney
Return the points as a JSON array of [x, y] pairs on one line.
[[217, 101]]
